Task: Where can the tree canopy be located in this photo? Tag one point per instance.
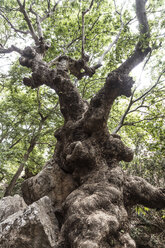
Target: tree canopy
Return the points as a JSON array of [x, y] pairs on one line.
[[96, 41]]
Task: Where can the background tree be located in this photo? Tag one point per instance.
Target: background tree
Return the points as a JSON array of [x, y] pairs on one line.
[[86, 158]]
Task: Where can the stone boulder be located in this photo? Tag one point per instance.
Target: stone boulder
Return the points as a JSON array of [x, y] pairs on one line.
[[32, 227], [10, 205]]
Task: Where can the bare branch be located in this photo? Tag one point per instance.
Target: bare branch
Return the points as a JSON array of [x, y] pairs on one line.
[[99, 63], [12, 26], [38, 21], [11, 49], [127, 111], [15, 143], [50, 12], [55, 5], [110, 45], [145, 119], [116, 38], [147, 60], [83, 27], [77, 38], [48, 3], [121, 123], [148, 91], [27, 19]]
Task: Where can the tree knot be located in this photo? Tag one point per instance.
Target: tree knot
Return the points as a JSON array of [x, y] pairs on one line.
[[120, 81]]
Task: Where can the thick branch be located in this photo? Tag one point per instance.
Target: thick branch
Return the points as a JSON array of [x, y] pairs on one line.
[[142, 48], [78, 68], [72, 106], [118, 82], [11, 49], [139, 191]]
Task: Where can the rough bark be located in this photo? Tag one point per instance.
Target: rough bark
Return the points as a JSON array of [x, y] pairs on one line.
[[89, 191], [51, 181]]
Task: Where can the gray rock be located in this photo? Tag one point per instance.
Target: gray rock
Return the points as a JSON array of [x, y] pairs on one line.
[[33, 227], [10, 205]]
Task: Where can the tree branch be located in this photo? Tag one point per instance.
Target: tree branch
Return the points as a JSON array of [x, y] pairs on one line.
[[11, 49], [50, 11], [121, 123], [114, 41], [38, 21], [12, 26], [83, 27], [145, 119], [131, 102], [32, 144], [71, 103], [118, 82], [148, 91], [139, 191], [142, 48], [15, 143], [27, 19], [20, 168]]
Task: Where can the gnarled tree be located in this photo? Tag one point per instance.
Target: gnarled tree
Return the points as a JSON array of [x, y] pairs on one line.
[[90, 192]]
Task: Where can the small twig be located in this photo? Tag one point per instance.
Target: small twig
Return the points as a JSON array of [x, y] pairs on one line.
[[121, 123], [12, 26], [148, 91], [83, 27], [147, 60], [75, 39], [100, 61], [38, 100], [15, 143], [50, 12], [48, 3], [53, 61], [146, 119], [39, 28]]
